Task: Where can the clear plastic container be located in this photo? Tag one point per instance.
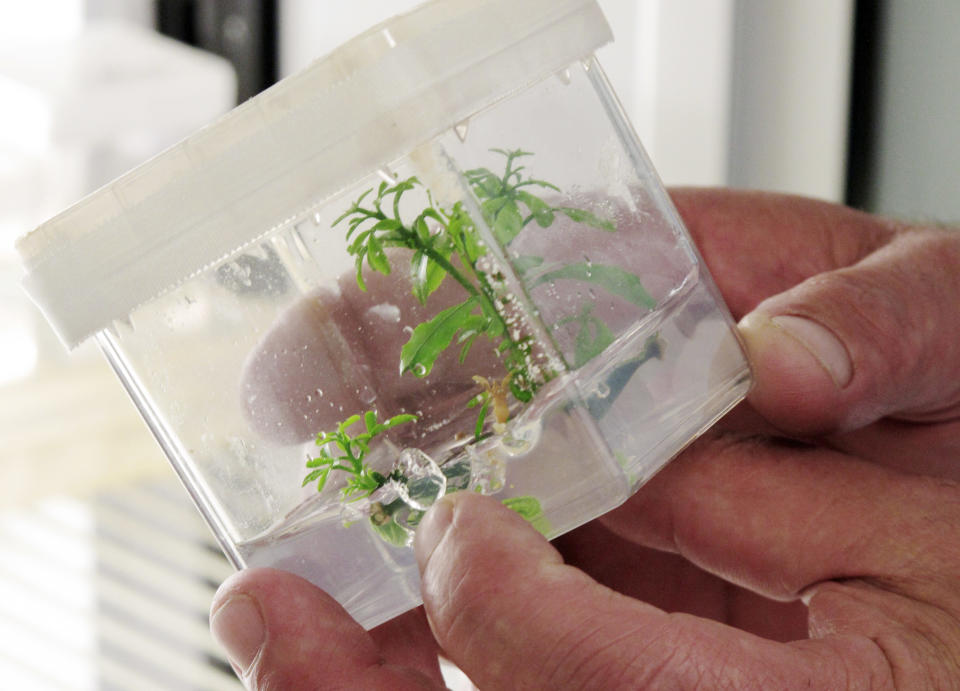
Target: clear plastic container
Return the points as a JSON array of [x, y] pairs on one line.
[[437, 260]]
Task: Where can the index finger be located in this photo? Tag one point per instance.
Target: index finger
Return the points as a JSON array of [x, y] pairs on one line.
[[512, 615], [757, 244]]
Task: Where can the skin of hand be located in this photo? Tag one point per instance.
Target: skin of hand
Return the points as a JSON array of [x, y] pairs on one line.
[[810, 540]]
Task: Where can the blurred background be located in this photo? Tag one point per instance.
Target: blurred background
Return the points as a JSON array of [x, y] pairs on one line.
[[106, 571]]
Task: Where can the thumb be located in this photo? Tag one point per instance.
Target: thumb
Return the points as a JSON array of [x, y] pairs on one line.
[[878, 338], [505, 608]]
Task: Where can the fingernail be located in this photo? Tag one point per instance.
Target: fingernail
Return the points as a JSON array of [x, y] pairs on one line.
[[821, 343], [237, 625], [432, 529]]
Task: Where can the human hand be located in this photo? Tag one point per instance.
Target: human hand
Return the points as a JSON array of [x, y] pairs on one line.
[[743, 503]]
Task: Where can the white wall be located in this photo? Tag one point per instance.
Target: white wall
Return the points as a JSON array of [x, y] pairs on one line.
[[745, 92], [916, 173], [791, 81]]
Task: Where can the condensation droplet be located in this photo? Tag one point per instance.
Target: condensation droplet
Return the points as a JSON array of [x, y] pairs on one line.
[[461, 130], [564, 76], [521, 438]]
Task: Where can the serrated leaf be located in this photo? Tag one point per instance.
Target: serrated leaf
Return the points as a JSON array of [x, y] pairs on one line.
[[612, 279], [588, 218], [431, 337]]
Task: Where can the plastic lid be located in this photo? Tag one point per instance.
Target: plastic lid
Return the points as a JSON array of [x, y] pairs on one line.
[[372, 100]]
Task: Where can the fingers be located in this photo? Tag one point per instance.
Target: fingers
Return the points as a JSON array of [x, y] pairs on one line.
[[879, 338], [508, 611], [758, 244], [283, 633], [778, 518], [668, 581], [848, 316]]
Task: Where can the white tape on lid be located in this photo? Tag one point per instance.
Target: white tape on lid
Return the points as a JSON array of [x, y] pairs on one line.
[[371, 101]]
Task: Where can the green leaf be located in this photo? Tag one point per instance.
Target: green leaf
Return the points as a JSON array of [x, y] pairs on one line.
[[422, 230], [427, 276], [376, 257], [485, 184], [464, 234], [467, 344], [491, 207], [593, 338], [342, 427], [387, 224], [431, 337], [524, 263], [481, 419], [521, 394], [353, 208], [584, 216], [507, 224], [399, 420], [314, 475], [392, 533], [613, 279], [317, 462], [541, 211], [530, 508], [359, 242], [359, 265]]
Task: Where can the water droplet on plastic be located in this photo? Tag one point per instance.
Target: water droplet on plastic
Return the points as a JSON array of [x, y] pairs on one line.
[[366, 394], [602, 390], [521, 438], [425, 482], [461, 130], [564, 76]]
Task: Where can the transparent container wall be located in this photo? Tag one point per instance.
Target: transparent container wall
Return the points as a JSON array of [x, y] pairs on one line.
[[531, 298]]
